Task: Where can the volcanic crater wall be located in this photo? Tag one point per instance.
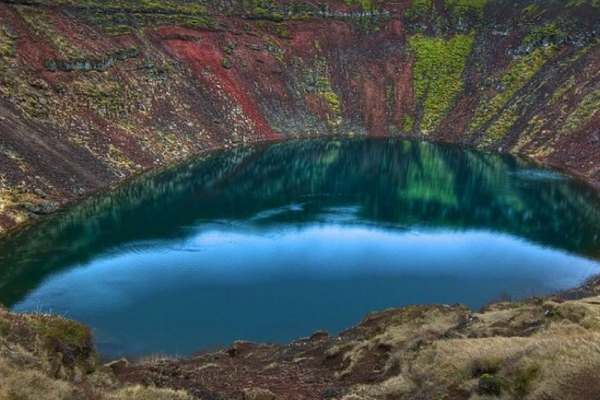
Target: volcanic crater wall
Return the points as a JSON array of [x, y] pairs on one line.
[[94, 91]]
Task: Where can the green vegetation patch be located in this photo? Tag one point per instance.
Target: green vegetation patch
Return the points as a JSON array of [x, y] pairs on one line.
[[7, 48], [122, 17], [499, 128], [486, 365], [492, 384], [408, 123], [419, 10], [461, 14], [531, 9], [518, 75], [365, 5], [583, 113], [549, 34], [109, 98], [65, 331], [147, 6], [561, 92], [42, 25], [317, 80], [264, 9], [522, 379], [462, 10], [438, 68], [579, 3]]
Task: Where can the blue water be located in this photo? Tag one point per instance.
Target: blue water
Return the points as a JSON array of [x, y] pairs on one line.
[[270, 243]]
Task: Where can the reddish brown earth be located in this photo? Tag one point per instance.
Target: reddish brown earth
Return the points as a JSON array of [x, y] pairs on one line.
[[190, 80], [309, 368]]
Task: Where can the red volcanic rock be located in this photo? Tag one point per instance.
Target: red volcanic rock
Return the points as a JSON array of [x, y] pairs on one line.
[[93, 94]]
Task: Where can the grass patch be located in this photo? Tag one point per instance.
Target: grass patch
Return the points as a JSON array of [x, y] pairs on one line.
[[42, 26], [146, 6], [583, 113], [365, 5], [523, 378], [419, 10], [549, 34], [500, 127], [462, 10], [61, 329], [486, 365], [518, 75], [317, 80], [492, 384], [263, 9], [408, 123], [560, 93], [7, 48], [438, 69]]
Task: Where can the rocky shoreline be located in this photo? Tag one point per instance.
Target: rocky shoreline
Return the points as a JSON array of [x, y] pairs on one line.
[[538, 348]]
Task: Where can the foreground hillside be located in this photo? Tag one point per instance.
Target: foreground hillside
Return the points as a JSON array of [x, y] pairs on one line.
[[541, 349], [51, 358], [94, 91]]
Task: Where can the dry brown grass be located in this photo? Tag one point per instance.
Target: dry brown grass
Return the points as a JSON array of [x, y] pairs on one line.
[[496, 356], [539, 350], [144, 393], [51, 358]]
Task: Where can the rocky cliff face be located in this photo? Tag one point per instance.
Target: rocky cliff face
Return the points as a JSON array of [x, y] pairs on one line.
[[94, 91]]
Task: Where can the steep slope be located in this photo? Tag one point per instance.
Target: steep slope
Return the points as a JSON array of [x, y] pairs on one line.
[[94, 91], [51, 358]]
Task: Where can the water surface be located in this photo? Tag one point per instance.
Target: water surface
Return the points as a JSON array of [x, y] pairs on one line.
[[272, 242]]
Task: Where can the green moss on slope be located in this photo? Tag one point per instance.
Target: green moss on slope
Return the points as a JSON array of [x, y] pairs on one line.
[[6, 44], [68, 332], [438, 69], [583, 113], [561, 92], [505, 121], [157, 6], [461, 9], [549, 33], [264, 9], [365, 5], [518, 75], [317, 80], [122, 17], [42, 25], [408, 123], [419, 10]]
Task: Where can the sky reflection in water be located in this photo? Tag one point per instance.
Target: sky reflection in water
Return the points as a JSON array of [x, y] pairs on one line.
[[271, 243]]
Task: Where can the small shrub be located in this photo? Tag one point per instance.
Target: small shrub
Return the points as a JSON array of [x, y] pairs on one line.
[[492, 384], [226, 63], [488, 365], [522, 378]]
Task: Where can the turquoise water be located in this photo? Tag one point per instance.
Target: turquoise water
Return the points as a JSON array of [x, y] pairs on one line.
[[272, 242]]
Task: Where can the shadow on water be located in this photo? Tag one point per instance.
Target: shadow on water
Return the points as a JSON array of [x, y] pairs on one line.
[[398, 186]]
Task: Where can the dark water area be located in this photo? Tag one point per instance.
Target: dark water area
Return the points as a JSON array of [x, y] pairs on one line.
[[270, 243]]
